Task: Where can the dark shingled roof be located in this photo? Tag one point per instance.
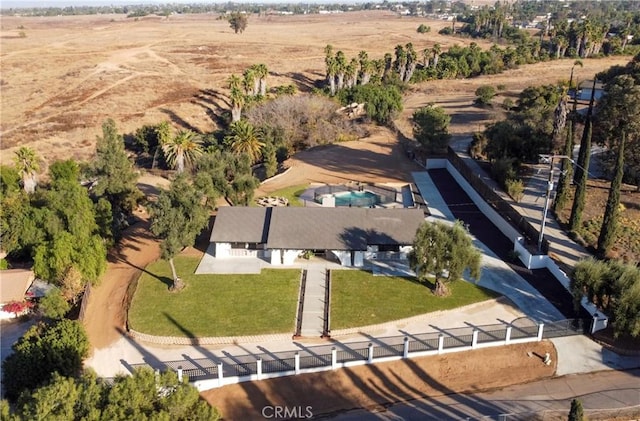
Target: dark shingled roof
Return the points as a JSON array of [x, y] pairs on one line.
[[240, 224], [318, 228]]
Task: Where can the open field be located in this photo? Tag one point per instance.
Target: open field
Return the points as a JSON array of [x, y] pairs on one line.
[[71, 73]]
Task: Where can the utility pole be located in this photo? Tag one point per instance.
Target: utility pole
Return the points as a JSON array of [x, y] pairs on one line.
[[548, 196]]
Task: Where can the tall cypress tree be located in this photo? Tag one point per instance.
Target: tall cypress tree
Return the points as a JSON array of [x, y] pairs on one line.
[[610, 222], [562, 193], [581, 174], [585, 144]]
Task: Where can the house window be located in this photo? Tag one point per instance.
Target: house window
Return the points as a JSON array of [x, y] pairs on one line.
[[389, 247]]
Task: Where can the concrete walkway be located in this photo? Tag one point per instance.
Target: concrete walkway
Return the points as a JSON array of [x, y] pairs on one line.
[[314, 301]]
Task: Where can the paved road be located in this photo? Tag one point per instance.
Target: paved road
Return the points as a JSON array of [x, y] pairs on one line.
[[616, 391]]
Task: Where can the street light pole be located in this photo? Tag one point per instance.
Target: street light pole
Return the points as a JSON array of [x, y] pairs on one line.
[[548, 196]]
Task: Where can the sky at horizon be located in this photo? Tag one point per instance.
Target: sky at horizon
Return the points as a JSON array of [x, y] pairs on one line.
[[8, 4]]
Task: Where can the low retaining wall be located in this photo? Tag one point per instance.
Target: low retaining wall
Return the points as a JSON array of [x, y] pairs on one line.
[[220, 340]]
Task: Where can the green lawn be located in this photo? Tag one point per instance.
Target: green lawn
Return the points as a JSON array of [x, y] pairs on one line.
[[214, 305], [291, 193], [358, 298]]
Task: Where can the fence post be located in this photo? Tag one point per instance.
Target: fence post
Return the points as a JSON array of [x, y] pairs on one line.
[[405, 350], [370, 356], [334, 358], [540, 331], [296, 360], [507, 336], [180, 373], [259, 368], [440, 343], [220, 375], [474, 338]]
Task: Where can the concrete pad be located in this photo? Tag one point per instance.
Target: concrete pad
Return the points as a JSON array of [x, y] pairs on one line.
[[437, 206], [579, 354], [239, 265]]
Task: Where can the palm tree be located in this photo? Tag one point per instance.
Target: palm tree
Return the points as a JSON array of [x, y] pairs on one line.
[[561, 46], [250, 81], [341, 67], [262, 72], [332, 71], [328, 61], [237, 97], [163, 132], [388, 61], [401, 61], [182, 149], [27, 165], [412, 61], [436, 50], [366, 67], [351, 73], [243, 139]]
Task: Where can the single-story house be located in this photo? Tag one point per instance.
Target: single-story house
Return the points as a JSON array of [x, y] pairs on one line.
[[13, 287], [280, 234]]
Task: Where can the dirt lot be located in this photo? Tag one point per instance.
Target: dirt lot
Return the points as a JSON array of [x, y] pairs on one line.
[[71, 73]]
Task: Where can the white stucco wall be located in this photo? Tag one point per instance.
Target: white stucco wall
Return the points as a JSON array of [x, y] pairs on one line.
[[221, 249], [275, 257], [289, 257], [344, 256], [358, 259]]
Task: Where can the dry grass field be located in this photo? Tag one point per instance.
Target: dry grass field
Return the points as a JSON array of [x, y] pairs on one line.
[[69, 74]]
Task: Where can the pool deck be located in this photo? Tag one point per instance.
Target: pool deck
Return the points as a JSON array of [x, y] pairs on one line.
[[402, 200]]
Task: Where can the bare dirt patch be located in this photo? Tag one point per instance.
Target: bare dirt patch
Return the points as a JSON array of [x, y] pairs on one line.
[[376, 386]]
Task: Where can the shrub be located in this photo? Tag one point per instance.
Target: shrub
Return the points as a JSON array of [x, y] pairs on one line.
[[53, 305], [300, 122], [502, 170], [447, 30], [4, 265], [501, 87], [423, 29], [508, 104], [44, 349], [382, 102], [477, 146], [484, 95], [515, 189]]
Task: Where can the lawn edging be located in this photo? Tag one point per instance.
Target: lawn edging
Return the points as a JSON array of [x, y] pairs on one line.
[[220, 340], [374, 329]]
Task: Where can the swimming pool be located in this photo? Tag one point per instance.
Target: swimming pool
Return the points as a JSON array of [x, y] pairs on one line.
[[358, 199]]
